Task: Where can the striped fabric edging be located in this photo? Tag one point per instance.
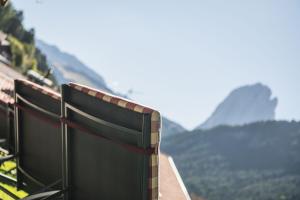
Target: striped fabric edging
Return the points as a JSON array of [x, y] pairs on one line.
[[153, 183], [42, 89]]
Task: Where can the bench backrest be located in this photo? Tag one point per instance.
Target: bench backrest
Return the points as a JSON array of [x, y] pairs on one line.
[[112, 146], [38, 135]]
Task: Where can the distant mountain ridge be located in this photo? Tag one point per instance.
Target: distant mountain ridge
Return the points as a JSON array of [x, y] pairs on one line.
[[170, 128], [68, 68], [244, 105]]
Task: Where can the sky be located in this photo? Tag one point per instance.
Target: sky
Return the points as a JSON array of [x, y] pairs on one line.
[[182, 57]]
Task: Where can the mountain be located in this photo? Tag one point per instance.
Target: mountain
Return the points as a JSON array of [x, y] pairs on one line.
[[244, 105], [254, 161], [170, 128], [68, 68]]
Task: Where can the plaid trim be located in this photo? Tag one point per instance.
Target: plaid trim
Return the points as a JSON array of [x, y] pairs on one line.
[[154, 177], [154, 158], [44, 90], [153, 183], [110, 98], [125, 103]]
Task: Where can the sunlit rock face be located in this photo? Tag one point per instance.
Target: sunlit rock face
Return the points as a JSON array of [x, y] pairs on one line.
[[244, 105]]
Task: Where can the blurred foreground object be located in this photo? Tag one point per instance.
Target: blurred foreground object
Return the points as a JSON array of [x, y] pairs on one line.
[[39, 79], [5, 49], [3, 2]]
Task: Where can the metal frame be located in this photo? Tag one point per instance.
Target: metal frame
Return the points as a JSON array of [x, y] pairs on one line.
[[10, 122], [18, 97], [66, 107], [6, 110], [101, 121], [144, 180], [36, 107], [65, 152]]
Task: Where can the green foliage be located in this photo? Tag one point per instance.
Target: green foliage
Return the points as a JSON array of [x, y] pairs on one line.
[[41, 60], [25, 55], [17, 52], [4, 168], [11, 22], [257, 161]]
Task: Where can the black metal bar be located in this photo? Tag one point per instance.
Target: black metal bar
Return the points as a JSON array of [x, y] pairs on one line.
[[8, 127], [48, 187], [30, 177], [42, 195], [10, 130], [55, 195], [36, 107], [144, 179], [65, 150], [101, 121], [17, 139], [129, 147]]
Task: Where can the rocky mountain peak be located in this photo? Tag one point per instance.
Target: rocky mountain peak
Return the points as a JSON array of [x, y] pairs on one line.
[[244, 105]]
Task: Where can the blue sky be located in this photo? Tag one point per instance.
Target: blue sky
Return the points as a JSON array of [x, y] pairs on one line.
[[180, 56]]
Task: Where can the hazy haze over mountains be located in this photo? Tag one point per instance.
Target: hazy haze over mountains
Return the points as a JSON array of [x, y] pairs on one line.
[[68, 68], [203, 48], [244, 105]]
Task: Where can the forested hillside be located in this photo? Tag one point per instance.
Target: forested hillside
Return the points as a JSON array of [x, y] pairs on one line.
[[25, 55], [257, 161]]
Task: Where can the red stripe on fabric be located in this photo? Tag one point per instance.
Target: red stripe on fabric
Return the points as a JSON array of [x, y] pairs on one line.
[[155, 126], [85, 90], [131, 148], [114, 100], [99, 95], [40, 116], [147, 110], [130, 105]]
